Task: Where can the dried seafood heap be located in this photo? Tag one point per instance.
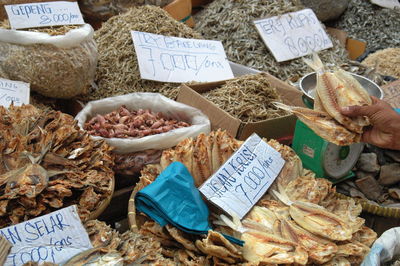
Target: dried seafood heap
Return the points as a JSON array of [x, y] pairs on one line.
[[334, 90], [49, 163], [377, 26], [124, 123], [248, 98], [386, 61], [377, 182], [118, 70], [232, 23], [51, 30], [306, 223]]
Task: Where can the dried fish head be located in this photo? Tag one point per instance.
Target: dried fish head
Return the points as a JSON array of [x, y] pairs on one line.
[[324, 125]]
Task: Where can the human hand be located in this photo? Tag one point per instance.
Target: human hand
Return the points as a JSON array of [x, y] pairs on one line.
[[385, 129]]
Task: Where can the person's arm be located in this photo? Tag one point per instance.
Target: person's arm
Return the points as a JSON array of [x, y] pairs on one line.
[[385, 129]]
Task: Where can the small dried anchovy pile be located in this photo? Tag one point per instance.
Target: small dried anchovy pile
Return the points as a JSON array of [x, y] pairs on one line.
[[232, 23], [118, 71], [378, 26], [248, 98], [52, 30], [123, 123], [386, 61], [49, 163]]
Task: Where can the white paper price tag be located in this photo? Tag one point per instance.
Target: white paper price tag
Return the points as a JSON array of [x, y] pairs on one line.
[[44, 14], [55, 237], [242, 180], [171, 59], [15, 92], [293, 35]]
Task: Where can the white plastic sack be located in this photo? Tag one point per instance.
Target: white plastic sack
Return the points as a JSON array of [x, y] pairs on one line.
[[385, 248], [60, 66], [156, 103]]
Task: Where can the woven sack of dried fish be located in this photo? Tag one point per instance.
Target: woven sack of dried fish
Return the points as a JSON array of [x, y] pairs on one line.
[[386, 61], [232, 23], [49, 163], [199, 123], [58, 62], [104, 9], [118, 70], [307, 224]]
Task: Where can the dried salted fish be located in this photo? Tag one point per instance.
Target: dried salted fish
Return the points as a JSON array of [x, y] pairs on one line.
[[324, 125], [218, 246], [319, 249], [365, 236], [353, 251], [96, 256], [316, 219], [263, 216], [308, 189], [339, 89], [385, 61], [248, 98], [188, 258], [261, 247], [37, 175], [338, 261], [182, 237], [102, 235]]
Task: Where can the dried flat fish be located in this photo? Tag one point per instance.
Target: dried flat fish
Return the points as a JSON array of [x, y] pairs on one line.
[[324, 125], [365, 236], [308, 189]]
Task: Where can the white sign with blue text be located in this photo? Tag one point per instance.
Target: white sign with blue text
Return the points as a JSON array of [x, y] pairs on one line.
[[55, 237], [244, 178], [293, 35], [15, 92], [172, 59], [44, 14]]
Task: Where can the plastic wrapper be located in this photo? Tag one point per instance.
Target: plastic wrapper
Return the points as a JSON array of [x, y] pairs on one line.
[[385, 248], [59, 66], [156, 103]]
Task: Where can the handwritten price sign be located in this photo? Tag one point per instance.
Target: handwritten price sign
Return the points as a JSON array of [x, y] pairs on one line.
[[55, 237], [44, 14], [245, 177], [15, 92], [293, 35], [171, 59]]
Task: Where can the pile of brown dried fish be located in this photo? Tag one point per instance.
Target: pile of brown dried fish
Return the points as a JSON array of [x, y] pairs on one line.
[[308, 223], [377, 182], [386, 61], [117, 70], [49, 163], [333, 90], [232, 23], [377, 26], [133, 163], [248, 98], [124, 123]]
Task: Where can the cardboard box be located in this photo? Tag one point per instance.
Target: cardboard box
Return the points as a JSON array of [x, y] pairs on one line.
[[279, 128]]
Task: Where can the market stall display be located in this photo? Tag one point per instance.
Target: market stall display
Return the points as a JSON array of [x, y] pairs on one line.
[[49, 163], [232, 23], [58, 62], [317, 226], [386, 62], [118, 71]]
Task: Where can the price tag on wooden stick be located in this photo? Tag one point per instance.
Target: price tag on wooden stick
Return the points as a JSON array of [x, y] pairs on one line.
[[293, 35], [15, 92], [44, 14], [243, 179], [55, 237]]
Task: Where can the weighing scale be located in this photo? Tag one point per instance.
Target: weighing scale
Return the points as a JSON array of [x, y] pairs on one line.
[[325, 159]]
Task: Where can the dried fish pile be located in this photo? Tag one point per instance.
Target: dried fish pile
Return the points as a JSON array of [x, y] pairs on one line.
[[54, 71], [118, 70], [232, 23], [124, 123], [386, 61], [132, 163], [248, 98], [377, 26], [49, 163], [378, 179], [304, 223]]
